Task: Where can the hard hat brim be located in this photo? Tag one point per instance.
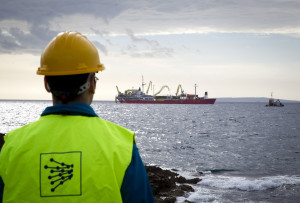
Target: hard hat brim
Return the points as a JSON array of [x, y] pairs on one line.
[[43, 71]]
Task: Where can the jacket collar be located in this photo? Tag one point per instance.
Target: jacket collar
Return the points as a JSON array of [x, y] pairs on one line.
[[75, 109]]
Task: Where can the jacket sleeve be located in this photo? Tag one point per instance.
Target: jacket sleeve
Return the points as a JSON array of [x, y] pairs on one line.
[[136, 186], [1, 181], [1, 189]]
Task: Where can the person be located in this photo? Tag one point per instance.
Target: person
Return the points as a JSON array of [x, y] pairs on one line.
[[70, 154]]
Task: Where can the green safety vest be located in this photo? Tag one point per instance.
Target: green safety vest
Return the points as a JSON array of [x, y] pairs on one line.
[[65, 159]]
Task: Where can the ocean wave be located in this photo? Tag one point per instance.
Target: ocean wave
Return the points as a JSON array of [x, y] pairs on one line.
[[248, 184], [200, 195], [218, 171]]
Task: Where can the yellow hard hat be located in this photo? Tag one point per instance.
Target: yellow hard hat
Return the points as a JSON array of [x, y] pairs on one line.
[[69, 53]]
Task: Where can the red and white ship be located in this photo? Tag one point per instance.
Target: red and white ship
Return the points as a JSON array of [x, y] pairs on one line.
[[137, 96]]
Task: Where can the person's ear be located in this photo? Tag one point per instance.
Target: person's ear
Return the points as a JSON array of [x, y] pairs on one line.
[[93, 84], [47, 87]]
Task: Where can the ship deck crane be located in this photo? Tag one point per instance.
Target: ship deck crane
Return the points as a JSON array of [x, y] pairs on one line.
[[150, 84], [179, 87], [118, 90], [161, 89]]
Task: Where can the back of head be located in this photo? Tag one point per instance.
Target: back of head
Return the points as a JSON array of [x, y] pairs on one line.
[[68, 62], [68, 87]]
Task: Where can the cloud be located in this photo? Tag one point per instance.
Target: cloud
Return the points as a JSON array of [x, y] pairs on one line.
[[37, 12], [38, 15], [16, 40], [7, 41], [142, 47], [36, 22], [100, 46]]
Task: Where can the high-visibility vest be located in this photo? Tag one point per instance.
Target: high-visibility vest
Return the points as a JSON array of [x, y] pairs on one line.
[[65, 159]]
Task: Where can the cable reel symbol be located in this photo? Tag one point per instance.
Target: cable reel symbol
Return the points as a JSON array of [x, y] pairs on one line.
[[62, 172]]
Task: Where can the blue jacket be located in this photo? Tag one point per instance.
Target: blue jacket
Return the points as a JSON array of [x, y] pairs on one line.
[[135, 185]]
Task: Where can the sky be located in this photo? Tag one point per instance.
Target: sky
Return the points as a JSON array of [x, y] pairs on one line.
[[229, 48]]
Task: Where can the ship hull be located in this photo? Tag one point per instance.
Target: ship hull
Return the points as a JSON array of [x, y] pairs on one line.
[[179, 101]]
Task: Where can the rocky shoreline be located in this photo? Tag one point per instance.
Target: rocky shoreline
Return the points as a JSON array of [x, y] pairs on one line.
[[166, 185]]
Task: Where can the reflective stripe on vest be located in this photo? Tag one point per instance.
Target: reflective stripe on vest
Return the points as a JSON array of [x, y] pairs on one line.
[[65, 159]]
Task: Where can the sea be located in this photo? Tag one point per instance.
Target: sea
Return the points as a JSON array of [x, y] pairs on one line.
[[243, 152]]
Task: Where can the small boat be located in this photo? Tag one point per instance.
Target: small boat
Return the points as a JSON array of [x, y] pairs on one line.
[[274, 102]]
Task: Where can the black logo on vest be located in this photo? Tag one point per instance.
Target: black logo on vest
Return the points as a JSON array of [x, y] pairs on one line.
[[60, 174]]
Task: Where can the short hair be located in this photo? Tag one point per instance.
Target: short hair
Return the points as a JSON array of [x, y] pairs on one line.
[[66, 87]]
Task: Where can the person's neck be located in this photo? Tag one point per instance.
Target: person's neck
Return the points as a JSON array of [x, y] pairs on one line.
[[80, 99]]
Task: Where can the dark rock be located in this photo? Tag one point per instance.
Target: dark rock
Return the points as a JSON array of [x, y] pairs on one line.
[[189, 181], [164, 187]]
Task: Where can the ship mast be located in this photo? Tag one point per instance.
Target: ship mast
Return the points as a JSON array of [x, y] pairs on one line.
[[195, 90], [143, 84]]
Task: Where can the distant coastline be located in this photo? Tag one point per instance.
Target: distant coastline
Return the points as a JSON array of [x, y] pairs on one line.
[[251, 99], [219, 100]]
